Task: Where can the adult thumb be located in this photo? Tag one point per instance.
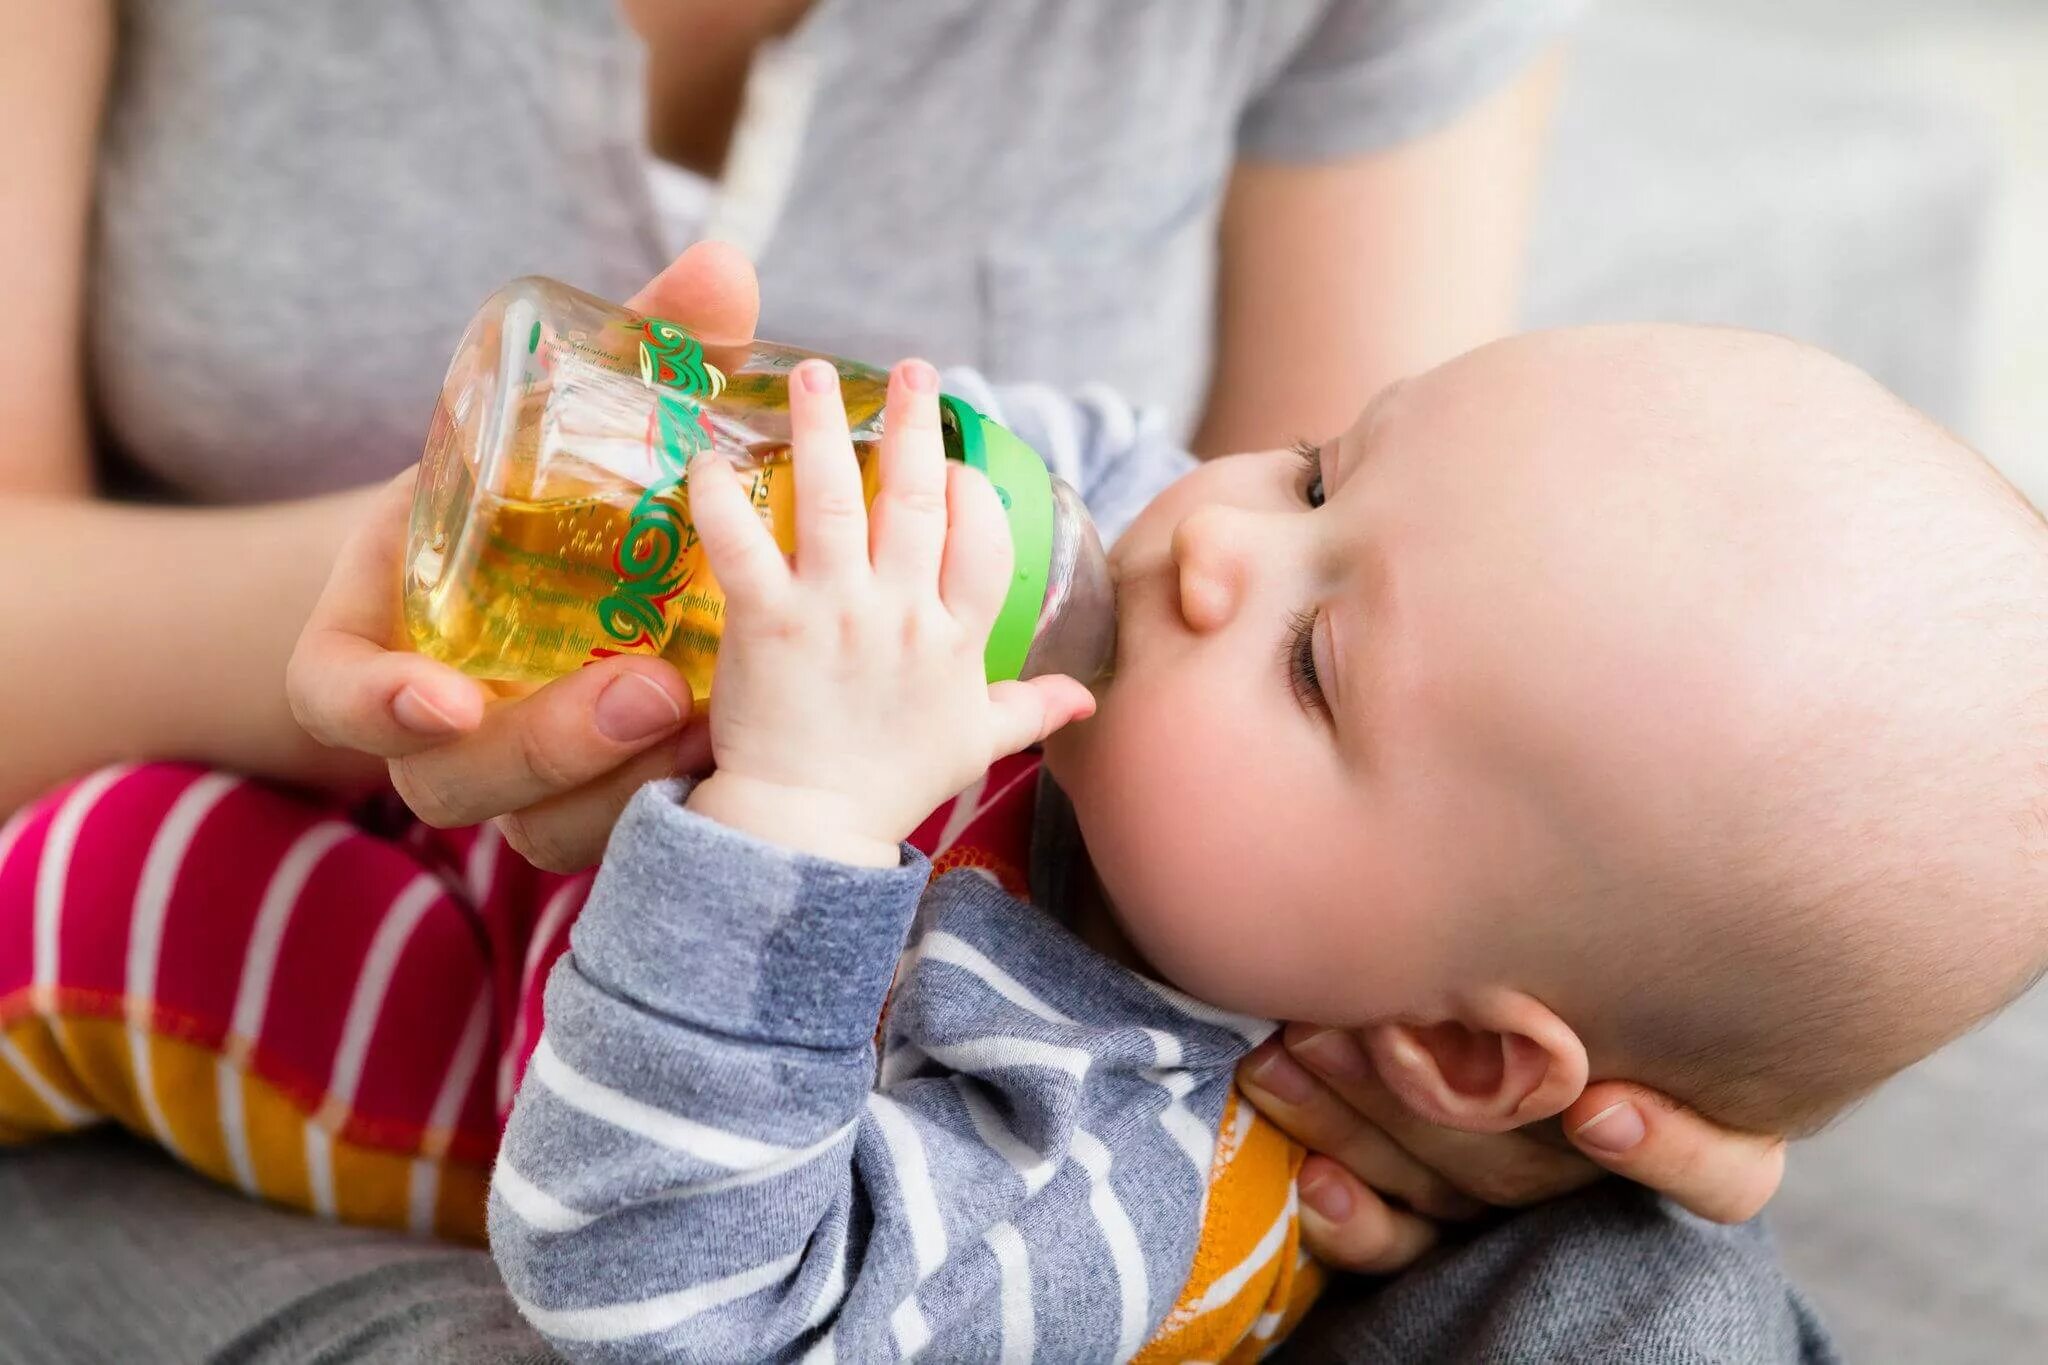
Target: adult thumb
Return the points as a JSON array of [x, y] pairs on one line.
[[710, 289]]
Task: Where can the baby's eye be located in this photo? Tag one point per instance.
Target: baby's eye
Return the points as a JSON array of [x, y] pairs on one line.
[[1312, 463], [1298, 652]]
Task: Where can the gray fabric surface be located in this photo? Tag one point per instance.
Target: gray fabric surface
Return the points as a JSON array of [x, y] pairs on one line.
[[150, 1263], [1613, 1276], [112, 1255], [300, 205]]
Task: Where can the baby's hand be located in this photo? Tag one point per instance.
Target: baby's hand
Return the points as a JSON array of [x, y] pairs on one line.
[[850, 698]]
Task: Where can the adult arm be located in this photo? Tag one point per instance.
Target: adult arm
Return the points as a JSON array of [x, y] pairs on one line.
[[1339, 277], [1386, 163], [130, 632]]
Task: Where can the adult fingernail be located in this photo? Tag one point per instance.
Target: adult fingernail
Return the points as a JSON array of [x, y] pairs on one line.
[[1327, 1195], [632, 709], [1279, 1077], [919, 377], [1614, 1129], [816, 376], [1336, 1054], [417, 714]]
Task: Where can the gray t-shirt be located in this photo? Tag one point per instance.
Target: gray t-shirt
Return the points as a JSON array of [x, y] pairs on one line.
[[300, 205]]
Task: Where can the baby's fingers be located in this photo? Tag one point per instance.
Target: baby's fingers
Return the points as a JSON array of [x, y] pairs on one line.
[[1027, 712], [907, 524], [831, 511], [975, 575], [748, 564]]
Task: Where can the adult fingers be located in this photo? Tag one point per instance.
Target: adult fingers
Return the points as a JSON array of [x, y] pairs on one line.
[[1319, 1120], [573, 731], [1505, 1169], [1635, 1132], [1344, 1224], [831, 512], [347, 687], [907, 524], [568, 833], [710, 289]]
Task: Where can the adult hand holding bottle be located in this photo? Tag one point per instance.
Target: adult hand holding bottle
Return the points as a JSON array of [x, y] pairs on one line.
[[552, 768]]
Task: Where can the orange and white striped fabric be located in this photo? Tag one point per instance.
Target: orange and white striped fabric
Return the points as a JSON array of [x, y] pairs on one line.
[[1251, 1282]]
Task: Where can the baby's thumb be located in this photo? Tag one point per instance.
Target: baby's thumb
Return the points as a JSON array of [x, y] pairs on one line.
[[1029, 710]]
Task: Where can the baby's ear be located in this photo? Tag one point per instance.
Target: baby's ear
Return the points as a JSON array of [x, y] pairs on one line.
[[1508, 1061]]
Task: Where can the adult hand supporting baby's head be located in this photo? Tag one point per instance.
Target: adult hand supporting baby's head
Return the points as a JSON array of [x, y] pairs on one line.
[[1380, 1175], [553, 768]]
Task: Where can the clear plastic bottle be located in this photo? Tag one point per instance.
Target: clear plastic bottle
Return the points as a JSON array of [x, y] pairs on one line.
[[551, 522]]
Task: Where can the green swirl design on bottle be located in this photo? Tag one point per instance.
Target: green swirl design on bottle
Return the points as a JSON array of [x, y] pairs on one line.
[[670, 358], [680, 432], [658, 533], [656, 543]]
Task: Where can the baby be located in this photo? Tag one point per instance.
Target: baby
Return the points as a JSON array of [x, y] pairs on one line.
[[1637, 702], [1648, 702]]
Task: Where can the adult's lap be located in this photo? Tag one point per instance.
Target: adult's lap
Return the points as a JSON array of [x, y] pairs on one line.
[[113, 1253]]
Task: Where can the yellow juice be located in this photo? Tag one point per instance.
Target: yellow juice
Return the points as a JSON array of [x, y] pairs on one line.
[[529, 608]]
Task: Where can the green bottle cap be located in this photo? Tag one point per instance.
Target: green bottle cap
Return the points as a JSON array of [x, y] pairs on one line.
[[1025, 487]]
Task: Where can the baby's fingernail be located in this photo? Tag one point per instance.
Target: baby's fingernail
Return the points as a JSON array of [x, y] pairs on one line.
[[631, 709], [1327, 1195], [919, 377], [1279, 1077], [816, 376], [1616, 1128], [1336, 1054], [419, 715]]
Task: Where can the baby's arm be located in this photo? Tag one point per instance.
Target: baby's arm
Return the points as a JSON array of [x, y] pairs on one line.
[[696, 1165], [701, 1167]]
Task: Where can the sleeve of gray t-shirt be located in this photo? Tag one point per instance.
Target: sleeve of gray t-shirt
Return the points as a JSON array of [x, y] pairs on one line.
[[1364, 74]]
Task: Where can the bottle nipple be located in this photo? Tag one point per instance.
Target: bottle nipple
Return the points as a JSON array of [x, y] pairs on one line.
[[1076, 631]]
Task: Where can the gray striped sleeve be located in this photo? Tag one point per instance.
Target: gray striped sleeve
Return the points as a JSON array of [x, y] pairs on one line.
[[702, 1164]]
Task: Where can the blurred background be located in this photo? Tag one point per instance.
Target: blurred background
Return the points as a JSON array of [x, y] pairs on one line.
[[1870, 175]]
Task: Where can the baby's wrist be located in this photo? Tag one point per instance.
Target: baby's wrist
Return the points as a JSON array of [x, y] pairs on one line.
[[807, 820]]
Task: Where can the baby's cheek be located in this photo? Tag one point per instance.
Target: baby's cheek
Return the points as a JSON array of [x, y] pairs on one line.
[[1194, 840]]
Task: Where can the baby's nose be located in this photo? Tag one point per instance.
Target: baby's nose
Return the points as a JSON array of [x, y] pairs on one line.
[[1209, 561]]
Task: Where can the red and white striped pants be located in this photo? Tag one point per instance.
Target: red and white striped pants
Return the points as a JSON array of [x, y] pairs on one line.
[[328, 1008]]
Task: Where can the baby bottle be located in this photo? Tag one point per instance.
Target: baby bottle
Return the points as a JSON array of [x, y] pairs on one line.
[[551, 524]]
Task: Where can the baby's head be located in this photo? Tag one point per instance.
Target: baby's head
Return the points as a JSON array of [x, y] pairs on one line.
[[1663, 703]]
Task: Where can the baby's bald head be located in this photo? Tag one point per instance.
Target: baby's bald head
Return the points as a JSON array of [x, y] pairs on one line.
[[1668, 699], [1824, 778]]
